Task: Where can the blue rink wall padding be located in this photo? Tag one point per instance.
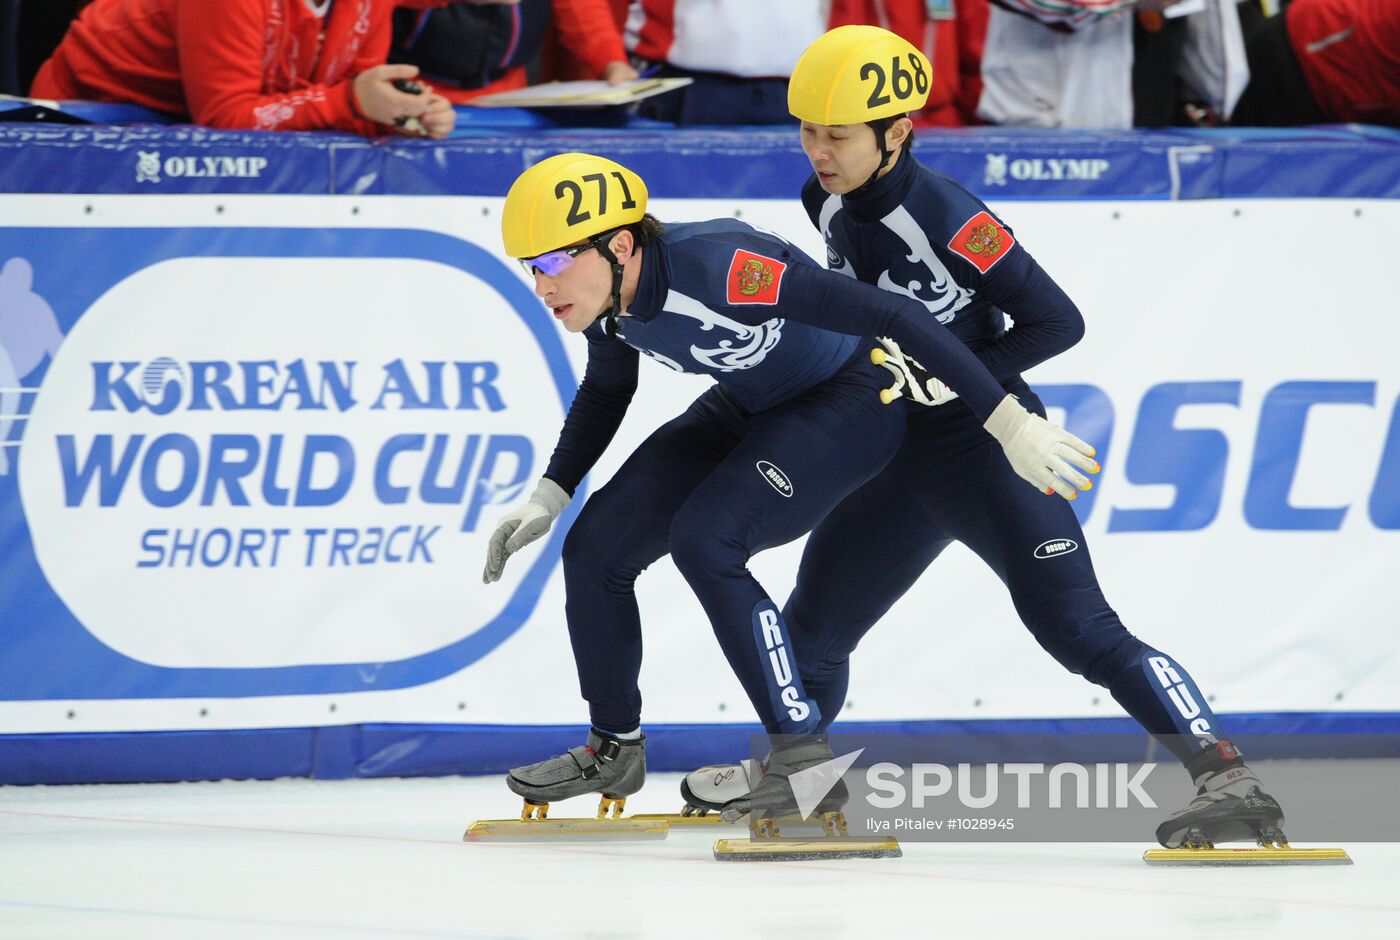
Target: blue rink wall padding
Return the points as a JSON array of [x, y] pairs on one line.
[[1324, 162], [407, 750]]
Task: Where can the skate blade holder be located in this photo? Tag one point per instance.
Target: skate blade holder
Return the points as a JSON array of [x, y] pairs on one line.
[[1260, 855], [534, 825], [684, 820], [692, 817], [767, 844]]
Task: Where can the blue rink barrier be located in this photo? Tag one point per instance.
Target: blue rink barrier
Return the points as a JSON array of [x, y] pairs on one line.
[[407, 750], [1327, 162]]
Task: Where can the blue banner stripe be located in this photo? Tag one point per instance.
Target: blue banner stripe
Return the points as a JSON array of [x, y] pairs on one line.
[[1353, 161], [407, 750]]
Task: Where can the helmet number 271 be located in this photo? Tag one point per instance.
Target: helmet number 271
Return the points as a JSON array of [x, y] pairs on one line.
[[576, 216]]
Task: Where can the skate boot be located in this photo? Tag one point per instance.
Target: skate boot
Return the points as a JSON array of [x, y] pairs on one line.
[[796, 781], [1230, 806], [712, 789], [773, 798], [605, 765]]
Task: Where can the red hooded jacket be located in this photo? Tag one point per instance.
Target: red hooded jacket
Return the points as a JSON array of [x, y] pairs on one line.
[[1349, 51], [260, 64]]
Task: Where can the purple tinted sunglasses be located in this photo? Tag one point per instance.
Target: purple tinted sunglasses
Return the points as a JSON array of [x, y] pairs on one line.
[[554, 263]]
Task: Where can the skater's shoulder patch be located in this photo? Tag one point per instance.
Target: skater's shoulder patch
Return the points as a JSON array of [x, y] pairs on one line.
[[754, 278], [982, 241]]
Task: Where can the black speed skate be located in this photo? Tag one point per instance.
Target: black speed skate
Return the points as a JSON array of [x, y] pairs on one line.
[[1230, 806]]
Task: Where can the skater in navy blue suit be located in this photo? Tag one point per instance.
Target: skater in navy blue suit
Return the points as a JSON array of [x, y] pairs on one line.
[[793, 425], [897, 225]]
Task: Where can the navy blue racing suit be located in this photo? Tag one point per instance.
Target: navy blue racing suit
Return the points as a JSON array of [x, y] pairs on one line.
[[917, 233], [792, 426]]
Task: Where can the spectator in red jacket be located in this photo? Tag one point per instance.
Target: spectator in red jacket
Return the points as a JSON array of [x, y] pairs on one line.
[[258, 64], [472, 49], [950, 35], [1324, 61]]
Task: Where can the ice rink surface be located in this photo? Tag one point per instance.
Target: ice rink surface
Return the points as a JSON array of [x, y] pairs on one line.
[[384, 858]]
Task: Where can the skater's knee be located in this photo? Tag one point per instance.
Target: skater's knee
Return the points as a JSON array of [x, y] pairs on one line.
[[594, 548], [583, 543], [702, 552]]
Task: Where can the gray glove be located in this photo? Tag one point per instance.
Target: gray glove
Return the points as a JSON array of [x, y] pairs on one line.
[[523, 526]]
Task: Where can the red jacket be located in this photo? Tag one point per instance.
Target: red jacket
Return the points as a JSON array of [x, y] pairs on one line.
[[953, 47], [585, 37], [261, 64], [1349, 51]]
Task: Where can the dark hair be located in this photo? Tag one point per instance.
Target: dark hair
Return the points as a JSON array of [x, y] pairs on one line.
[[881, 125], [645, 231]]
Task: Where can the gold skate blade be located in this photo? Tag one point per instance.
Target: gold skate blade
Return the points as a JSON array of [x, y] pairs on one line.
[[797, 850], [565, 830], [1251, 856], [677, 821]]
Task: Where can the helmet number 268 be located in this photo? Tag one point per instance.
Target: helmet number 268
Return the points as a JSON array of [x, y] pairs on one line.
[[901, 81]]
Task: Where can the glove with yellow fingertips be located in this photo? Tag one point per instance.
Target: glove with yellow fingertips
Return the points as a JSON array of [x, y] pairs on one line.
[[910, 377], [523, 526], [1040, 452]]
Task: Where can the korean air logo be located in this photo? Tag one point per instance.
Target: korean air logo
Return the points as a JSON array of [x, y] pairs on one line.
[[1055, 547], [162, 382], [775, 477]]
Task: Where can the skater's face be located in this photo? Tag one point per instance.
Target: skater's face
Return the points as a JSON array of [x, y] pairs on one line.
[[579, 289], [844, 155]]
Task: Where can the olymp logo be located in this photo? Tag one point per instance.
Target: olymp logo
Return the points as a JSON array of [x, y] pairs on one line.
[[999, 169], [149, 166]]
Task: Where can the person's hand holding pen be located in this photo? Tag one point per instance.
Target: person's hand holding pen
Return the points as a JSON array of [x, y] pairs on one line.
[[615, 73]]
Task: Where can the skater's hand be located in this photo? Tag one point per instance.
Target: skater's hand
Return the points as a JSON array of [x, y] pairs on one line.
[[1040, 452], [523, 526], [910, 377]]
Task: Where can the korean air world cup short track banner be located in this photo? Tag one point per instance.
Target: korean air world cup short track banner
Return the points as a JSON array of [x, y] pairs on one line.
[[263, 461]]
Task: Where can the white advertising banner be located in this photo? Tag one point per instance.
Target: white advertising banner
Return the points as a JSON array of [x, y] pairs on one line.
[[253, 448]]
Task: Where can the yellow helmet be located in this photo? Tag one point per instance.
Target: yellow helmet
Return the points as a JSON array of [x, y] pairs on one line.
[[856, 74], [567, 198]]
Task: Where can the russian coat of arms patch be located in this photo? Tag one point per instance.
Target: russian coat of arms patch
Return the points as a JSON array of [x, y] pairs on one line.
[[982, 241], [754, 279]]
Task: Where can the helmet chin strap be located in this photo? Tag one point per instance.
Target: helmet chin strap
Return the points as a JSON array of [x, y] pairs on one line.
[[615, 305], [885, 154]]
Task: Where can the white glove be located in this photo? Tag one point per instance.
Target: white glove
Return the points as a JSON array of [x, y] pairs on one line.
[[1040, 451], [908, 373], [523, 526]]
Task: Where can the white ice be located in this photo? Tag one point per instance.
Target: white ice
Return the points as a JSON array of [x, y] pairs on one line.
[[384, 858]]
